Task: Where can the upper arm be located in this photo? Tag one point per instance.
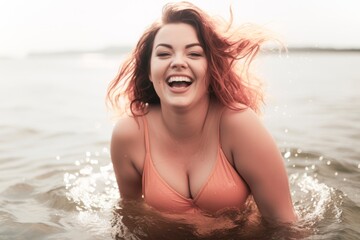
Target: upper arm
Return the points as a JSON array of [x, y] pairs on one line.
[[259, 162], [123, 143]]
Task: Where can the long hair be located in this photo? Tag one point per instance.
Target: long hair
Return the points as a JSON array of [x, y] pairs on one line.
[[229, 55]]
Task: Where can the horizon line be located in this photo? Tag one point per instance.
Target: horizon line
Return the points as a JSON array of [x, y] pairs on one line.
[[125, 49]]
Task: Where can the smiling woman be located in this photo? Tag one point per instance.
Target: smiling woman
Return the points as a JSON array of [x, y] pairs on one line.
[[192, 143], [178, 69]]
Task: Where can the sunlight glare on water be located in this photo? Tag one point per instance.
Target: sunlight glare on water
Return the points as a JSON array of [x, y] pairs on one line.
[[94, 190], [93, 186]]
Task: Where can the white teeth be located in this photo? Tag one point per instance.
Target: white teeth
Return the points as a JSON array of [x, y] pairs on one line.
[[179, 79]]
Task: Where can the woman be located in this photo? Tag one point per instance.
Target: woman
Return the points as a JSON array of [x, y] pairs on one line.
[[192, 141]]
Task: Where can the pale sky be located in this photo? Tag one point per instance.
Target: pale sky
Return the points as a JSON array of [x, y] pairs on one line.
[[57, 25]]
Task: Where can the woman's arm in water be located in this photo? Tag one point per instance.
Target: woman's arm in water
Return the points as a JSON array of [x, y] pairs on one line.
[[123, 151], [260, 164]]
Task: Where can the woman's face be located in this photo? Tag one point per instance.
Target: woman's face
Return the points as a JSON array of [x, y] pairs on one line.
[[178, 66]]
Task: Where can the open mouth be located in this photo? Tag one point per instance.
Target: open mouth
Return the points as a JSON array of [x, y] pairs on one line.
[[179, 81]]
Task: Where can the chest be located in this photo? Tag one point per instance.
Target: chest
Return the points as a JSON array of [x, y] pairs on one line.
[[184, 168], [209, 184]]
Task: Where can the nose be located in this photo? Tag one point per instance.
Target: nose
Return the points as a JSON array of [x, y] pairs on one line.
[[178, 62]]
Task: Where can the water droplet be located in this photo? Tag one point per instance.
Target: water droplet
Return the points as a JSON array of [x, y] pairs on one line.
[[299, 150], [293, 165], [336, 173], [359, 165], [287, 154], [321, 158], [344, 179], [306, 168], [77, 163], [313, 167], [328, 163], [286, 130]]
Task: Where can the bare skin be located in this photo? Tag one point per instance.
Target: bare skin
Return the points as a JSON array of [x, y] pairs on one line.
[[184, 133]]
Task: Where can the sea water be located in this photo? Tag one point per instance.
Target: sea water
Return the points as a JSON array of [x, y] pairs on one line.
[[56, 178]]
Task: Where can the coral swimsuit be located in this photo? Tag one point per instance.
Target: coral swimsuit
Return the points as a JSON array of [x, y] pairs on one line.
[[224, 188]]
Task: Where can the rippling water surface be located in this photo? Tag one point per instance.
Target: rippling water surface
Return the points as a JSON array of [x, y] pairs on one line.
[[56, 180]]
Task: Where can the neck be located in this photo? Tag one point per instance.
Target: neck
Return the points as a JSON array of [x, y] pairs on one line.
[[185, 123]]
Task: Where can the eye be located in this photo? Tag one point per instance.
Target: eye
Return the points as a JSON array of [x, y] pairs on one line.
[[163, 54], [195, 54]]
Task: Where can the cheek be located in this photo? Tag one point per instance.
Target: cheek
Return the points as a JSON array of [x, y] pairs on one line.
[[157, 73], [205, 73], [155, 76], [203, 67], [155, 70]]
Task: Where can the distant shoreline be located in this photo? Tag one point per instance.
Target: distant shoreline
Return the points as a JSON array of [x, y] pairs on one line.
[[321, 49], [127, 49], [121, 50], [104, 51]]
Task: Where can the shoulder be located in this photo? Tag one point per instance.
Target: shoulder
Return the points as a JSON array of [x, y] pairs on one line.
[[242, 133], [127, 142], [248, 142], [127, 129], [241, 119], [128, 138]]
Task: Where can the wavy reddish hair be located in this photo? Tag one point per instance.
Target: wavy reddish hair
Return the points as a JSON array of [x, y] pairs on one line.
[[229, 55]]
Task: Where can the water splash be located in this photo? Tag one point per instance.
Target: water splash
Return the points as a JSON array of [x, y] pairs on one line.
[[313, 200], [94, 190], [93, 187]]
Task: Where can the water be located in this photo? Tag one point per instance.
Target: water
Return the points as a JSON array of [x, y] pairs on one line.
[[56, 180]]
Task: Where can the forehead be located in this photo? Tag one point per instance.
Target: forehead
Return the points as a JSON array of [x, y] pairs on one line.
[[176, 33]]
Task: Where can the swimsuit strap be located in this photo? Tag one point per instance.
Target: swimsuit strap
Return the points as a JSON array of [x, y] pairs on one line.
[[219, 123], [146, 131]]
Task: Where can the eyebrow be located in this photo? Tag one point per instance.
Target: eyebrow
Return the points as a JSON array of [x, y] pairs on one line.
[[186, 47]]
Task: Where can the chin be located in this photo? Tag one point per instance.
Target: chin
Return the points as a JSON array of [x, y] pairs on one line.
[[178, 103]]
